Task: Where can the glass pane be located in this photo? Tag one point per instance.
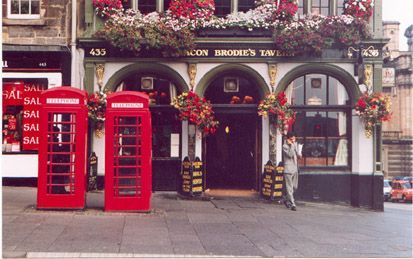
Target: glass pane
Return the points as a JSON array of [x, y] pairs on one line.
[[245, 5], [295, 92], [338, 151], [316, 89], [222, 7], [325, 11], [25, 7], [316, 3], [166, 4], [315, 146], [35, 7], [14, 8], [146, 6], [337, 93]]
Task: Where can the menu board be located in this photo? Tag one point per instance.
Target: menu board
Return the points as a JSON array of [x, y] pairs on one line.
[[192, 177], [197, 177], [186, 175], [272, 181]]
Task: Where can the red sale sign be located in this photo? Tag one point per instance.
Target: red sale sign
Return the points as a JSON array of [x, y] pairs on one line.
[[30, 121], [13, 93]]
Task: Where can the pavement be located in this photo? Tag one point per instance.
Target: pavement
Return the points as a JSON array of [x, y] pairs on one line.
[[223, 227]]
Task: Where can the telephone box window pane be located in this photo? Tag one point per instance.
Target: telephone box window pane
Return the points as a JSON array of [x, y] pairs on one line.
[[61, 147], [245, 5], [222, 7]]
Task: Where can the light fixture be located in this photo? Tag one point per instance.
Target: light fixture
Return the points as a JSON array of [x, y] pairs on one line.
[[231, 84], [227, 129], [147, 83], [315, 82]]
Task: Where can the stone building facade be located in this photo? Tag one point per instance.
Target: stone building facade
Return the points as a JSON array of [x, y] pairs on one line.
[[398, 133]]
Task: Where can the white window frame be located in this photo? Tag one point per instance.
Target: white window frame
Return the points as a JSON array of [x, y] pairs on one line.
[[21, 16]]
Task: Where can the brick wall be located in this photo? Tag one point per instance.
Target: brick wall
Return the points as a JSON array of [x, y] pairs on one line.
[[53, 27]]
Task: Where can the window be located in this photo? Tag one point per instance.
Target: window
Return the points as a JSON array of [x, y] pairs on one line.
[[144, 6], [166, 128], [23, 9], [322, 122], [300, 10], [245, 5], [222, 7], [320, 7], [21, 114], [340, 7]]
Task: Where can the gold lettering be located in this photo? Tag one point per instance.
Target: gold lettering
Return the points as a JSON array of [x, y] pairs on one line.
[[278, 186], [196, 181], [197, 53]]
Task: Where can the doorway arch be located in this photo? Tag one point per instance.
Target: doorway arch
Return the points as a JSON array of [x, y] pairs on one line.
[[233, 155]]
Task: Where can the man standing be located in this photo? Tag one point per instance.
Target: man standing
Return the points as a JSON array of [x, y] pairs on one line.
[[291, 154]]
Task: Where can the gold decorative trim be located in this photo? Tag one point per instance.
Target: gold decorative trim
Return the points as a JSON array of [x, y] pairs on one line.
[[368, 75], [272, 72], [100, 71], [192, 73]]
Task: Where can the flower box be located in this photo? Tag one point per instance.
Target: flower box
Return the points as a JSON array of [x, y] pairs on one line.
[[234, 32]]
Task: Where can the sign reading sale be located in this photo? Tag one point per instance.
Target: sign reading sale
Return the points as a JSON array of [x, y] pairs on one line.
[[30, 120]]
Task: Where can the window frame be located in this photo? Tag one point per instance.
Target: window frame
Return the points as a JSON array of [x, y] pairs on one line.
[[345, 108], [308, 5], [22, 16]]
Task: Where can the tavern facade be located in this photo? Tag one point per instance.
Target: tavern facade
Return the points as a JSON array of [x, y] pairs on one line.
[[340, 163]]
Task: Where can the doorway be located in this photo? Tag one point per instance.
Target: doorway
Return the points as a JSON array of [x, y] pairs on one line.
[[232, 153]]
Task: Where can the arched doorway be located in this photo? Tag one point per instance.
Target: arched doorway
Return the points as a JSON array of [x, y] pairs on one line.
[[161, 84], [233, 154]]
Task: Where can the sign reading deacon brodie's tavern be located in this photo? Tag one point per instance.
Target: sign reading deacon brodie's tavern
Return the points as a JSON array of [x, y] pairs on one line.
[[204, 52]]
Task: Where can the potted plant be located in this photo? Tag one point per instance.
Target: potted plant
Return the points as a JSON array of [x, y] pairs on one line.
[[277, 105]]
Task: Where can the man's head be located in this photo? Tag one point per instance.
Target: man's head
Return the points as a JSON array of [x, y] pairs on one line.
[[291, 136]]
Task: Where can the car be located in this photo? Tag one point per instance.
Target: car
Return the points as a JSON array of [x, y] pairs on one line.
[[401, 190], [386, 189], [408, 178]]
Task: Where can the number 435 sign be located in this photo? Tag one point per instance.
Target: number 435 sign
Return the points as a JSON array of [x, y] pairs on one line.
[[98, 52]]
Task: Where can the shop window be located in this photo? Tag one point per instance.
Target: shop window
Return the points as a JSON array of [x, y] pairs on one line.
[[232, 89], [322, 121], [166, 127], [245, 5], [23, 9], [21, 114], [300, 10]]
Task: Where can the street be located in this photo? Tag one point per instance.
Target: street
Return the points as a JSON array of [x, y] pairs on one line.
[[223, 226]]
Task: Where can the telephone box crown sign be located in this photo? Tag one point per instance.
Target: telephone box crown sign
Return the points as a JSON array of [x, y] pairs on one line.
[[69, 96], [128, 99]]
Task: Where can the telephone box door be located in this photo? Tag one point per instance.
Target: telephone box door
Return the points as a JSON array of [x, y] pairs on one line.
[[62, 149], [128, 168]]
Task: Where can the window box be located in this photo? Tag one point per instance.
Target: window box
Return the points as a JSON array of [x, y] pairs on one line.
[[234, 32]]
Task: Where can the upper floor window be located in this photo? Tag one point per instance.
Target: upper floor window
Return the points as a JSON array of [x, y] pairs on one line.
[[320, 7], [23, 9], [144, 6], [340, 7], [245, 5], [223, 7]]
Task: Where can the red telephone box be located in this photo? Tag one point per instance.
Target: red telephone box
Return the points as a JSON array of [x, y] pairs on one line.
[[62, 149], [128, 155]]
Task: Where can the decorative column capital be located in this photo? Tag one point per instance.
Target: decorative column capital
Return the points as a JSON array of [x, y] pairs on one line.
[[272, 72], [100, 71], [192, 73]]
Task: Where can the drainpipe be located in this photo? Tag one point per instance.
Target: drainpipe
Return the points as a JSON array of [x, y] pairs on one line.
[[73, 44]]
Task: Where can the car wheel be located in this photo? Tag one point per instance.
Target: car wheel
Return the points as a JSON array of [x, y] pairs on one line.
[[392, 200], [404, 198]]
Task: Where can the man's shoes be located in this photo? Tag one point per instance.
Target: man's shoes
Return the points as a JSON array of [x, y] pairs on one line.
[[293, 208], [287, 204]]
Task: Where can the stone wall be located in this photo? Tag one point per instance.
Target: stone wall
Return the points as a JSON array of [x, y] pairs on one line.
[[53, 27]]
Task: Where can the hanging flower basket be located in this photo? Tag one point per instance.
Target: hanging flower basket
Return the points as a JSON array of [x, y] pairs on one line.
[[197, 111], [359, 8], [277, 105], [96, 105], [373, 109]]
